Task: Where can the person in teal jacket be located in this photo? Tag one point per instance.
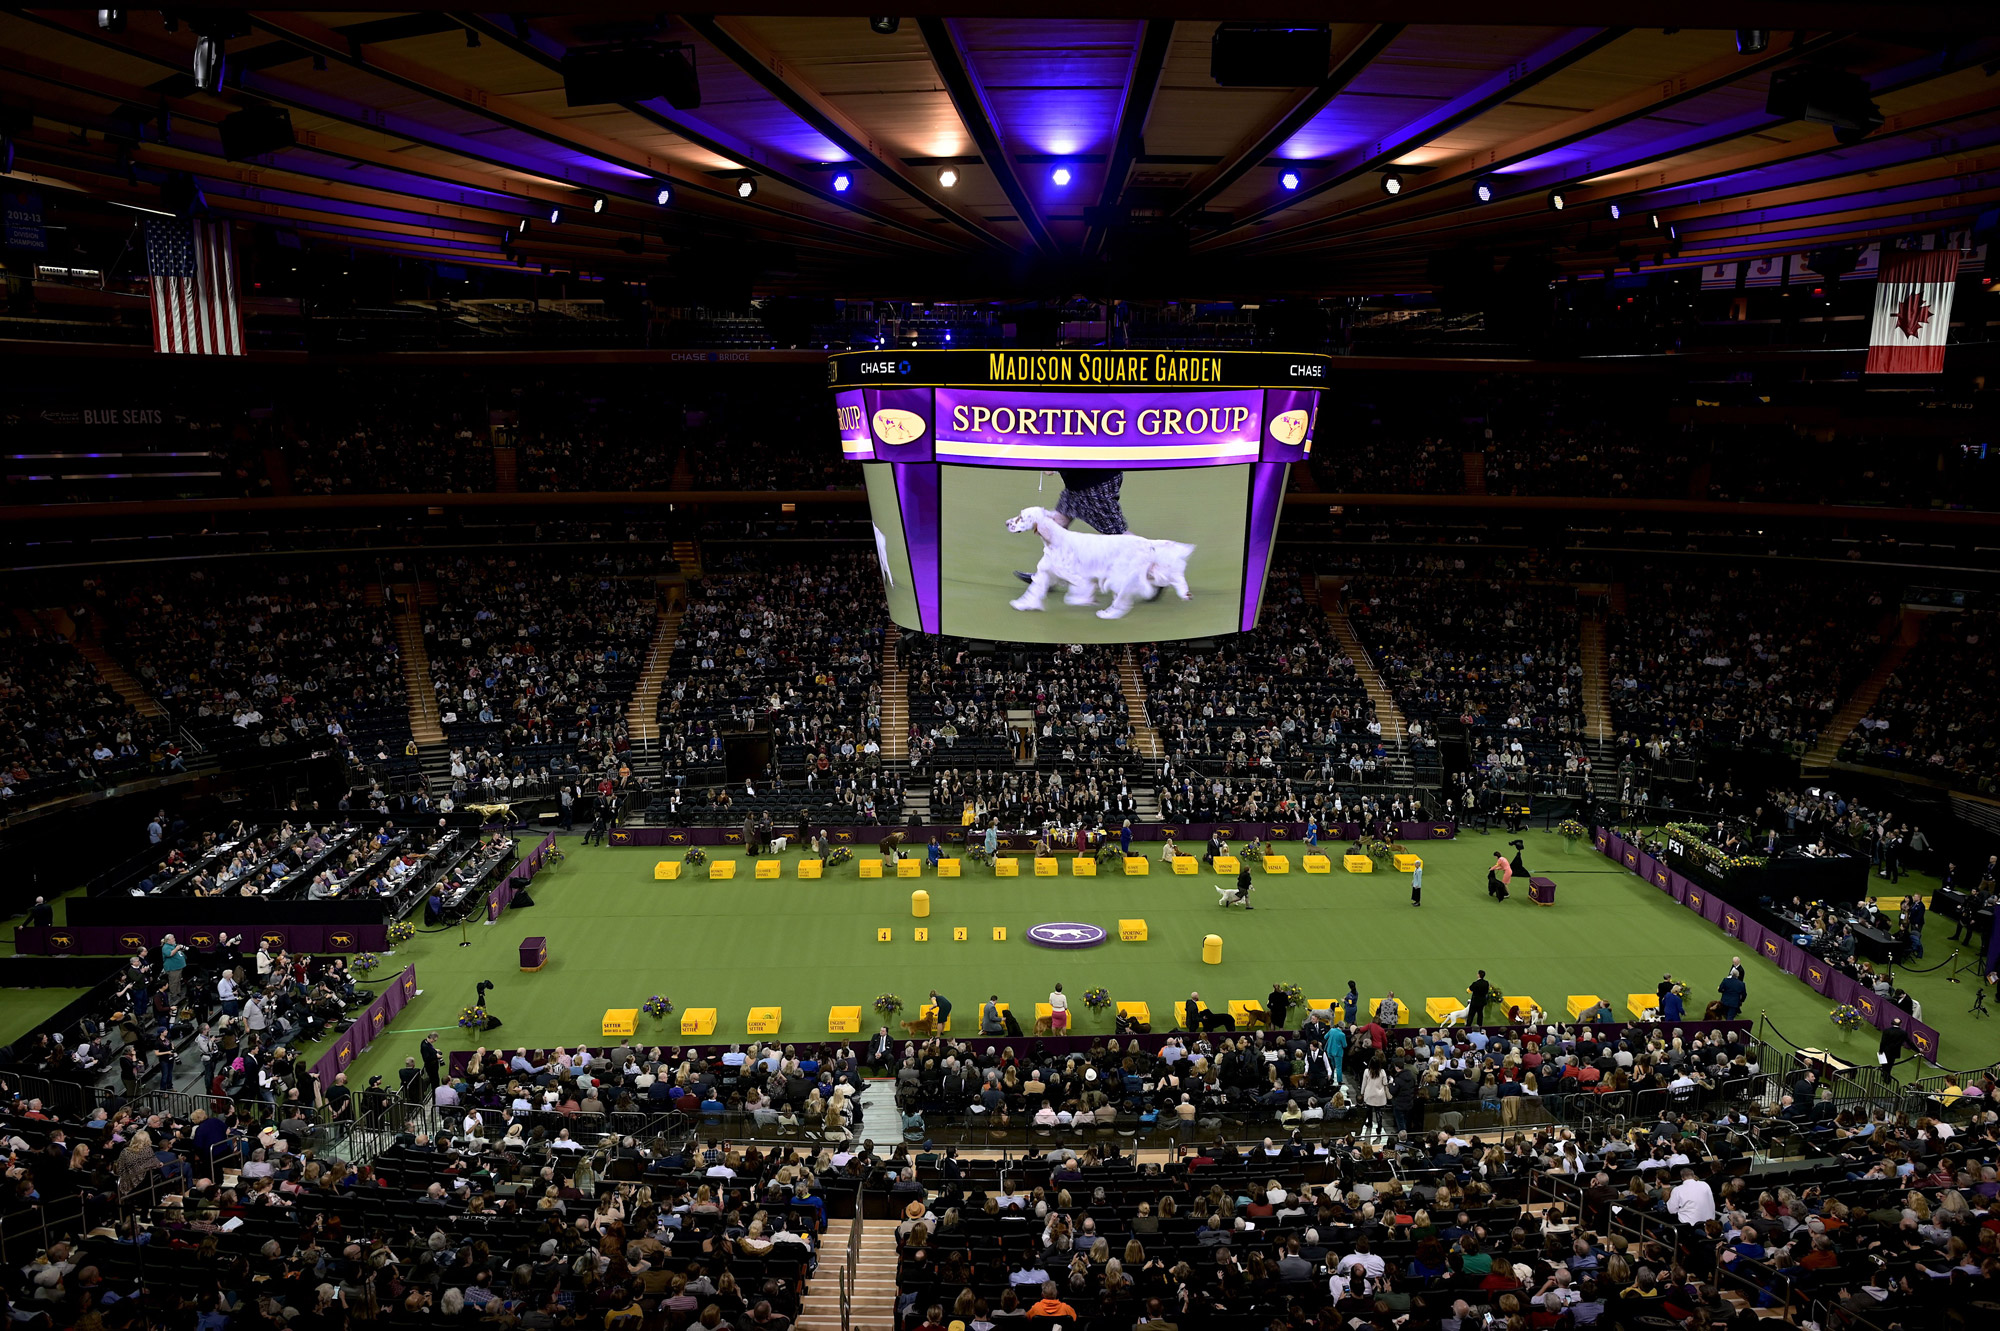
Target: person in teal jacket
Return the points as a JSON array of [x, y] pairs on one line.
[[1336, 1049]]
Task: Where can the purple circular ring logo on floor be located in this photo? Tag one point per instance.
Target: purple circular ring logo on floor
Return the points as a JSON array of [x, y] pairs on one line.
[[1066, 934]]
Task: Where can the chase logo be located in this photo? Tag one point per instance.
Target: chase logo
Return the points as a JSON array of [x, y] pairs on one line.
[[885, 367], [1308, 371]]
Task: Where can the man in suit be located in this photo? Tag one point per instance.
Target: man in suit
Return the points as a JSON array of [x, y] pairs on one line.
[[1891, 1048], [433, 1061], [1276, 1005], [881, 1051], [1481, 993]]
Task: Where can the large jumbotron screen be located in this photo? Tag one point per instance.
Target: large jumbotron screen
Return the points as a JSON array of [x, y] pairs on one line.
[[1075, 496]]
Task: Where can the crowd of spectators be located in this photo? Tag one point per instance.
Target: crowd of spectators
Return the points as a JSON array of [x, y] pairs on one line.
[[295, 659], [533, 659], [1741, 659], [786, 642], [1939, 714], [62, 728]]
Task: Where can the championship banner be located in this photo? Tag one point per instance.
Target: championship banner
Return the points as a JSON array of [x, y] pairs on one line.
[[1912, 312], [1718, 277]]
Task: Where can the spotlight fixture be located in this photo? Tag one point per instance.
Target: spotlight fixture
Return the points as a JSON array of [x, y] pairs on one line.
[[1673, 233], [555, 214], [208, 63], [1653, 221], [1616, 209], [1485, 190], [1392, 183], [1290, 180], [1558, 200], [1752, 41], [842, 182], [521, 226], [1060, 176], [885, 27], [947, 176], [663, 194], [597, 202], [111, 20], [746, 187]]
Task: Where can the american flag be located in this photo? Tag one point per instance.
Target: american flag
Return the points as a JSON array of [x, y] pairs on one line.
[[193, 266]]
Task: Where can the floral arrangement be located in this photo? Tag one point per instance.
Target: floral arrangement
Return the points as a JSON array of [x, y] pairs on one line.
[[1572, 829], [1294, 995], [365, 962], [402, 931], [888, 1004], [1691, 838], [1846, 1016], [657, 1006], [473, 1018], [1097, 999]]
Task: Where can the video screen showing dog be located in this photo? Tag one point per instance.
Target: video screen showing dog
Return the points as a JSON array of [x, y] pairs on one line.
[[1091, 554]]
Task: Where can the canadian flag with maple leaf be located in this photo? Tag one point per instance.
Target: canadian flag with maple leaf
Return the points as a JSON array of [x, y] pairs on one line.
[[1912, 311]]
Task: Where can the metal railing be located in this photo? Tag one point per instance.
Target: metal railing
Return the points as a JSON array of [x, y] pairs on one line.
[[852, 1265]]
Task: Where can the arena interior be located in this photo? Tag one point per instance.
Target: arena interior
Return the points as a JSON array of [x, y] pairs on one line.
[[1031, 668]]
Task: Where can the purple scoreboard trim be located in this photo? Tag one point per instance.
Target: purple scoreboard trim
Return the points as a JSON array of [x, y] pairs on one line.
[[1278, 402], [912, 401], [917, 497], [1267, 500], [1066, 934], [1130, 430]]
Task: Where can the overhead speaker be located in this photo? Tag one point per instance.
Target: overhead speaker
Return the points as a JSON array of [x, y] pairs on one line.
[[1270, 55], [634, 72], [1827, 97], [254, 131]]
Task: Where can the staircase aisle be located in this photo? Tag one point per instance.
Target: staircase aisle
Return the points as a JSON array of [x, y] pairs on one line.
[[1474, 465], [1827, 751], [1395, 731], [1145, 739], [895, 701], [121, 680], [688, 556], [1596, 672], [424, 725], [874, 1301], [642, 714]]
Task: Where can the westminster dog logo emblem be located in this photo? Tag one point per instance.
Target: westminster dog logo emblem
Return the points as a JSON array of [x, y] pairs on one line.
[[341, 942], [677, 838], [1066, 934], [132, 943]]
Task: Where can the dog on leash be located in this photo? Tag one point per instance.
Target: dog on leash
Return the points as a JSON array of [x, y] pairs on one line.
[[1131, 568], [921, 1026]]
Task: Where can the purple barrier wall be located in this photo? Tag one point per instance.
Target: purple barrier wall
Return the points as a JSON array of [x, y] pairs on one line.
[[92, 940], [1024, 1046], [1819, 976], [519, 876], [1194, 833], [374, 1019]]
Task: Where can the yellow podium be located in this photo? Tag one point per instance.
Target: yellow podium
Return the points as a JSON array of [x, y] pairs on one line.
[[843, 1021], [1045, 866], [1316, 864], [1227, 864], [1522, 1001], [1186, 864], [765, 1020], [947, 868], [1211, 950], [698, 1021], [768, 868], [1137, 866], [1083, 866], [871, 868], [1639, 1004], [1439, 1010], [1357, 864], [909, 867], [722, 868], [1132, 931], [1277, 864], [1138, 1012], [1007, 868], [1581, 1003], [920, 903], [666, 869], [811, 868], [1248, 1012], [621, 1020], [1406, 863], [928, 1012], [1402, 1010]]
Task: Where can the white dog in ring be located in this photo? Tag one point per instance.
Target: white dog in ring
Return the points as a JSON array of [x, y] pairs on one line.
[[1130, 567]]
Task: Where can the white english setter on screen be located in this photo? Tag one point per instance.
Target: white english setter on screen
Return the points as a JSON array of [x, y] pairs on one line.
[[1130, 567]]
